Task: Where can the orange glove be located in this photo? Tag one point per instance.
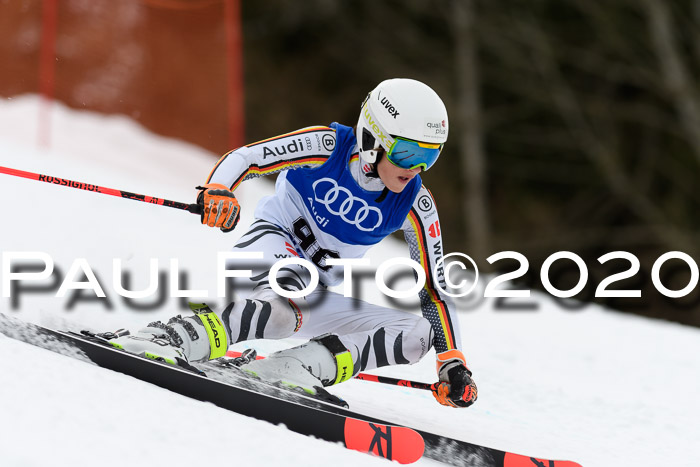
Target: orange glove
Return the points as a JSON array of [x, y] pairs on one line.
[[456, 387], [220, 207]]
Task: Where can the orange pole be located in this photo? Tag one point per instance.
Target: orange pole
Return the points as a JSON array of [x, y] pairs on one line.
[[234, 76], [47, 68]]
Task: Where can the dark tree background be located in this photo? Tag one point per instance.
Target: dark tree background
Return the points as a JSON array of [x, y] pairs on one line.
[[575, 125]]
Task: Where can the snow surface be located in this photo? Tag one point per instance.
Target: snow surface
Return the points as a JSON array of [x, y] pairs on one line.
[[594, 386]]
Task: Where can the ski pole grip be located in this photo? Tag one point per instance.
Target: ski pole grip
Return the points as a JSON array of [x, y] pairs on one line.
[[194, 208]]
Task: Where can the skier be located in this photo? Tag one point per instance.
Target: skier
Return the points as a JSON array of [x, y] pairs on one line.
[[340, 191]]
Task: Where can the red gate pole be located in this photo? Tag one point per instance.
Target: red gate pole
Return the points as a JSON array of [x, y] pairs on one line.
[[234, 76], [47, 68]]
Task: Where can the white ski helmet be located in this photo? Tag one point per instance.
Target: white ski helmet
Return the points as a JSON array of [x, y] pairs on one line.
[[405, 109]]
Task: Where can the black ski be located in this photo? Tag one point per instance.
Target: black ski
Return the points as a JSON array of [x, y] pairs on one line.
[[229, 390]]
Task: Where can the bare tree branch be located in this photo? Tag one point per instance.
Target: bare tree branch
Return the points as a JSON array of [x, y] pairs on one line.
[[675, 73], [598, 150], [470, 127]]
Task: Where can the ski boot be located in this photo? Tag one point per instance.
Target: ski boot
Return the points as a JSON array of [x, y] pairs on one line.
[[323, 361], [181, 341]]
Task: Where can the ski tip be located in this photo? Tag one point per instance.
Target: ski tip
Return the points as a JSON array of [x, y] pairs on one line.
[[395, 443], [516, 460]]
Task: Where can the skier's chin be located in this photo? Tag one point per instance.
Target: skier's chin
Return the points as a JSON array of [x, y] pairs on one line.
[[397, 185]]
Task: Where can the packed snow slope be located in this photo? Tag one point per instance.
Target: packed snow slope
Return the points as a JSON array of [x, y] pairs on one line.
[[594, 386]]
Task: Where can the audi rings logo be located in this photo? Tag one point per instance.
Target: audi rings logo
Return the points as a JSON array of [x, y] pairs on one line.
[[341, 202]]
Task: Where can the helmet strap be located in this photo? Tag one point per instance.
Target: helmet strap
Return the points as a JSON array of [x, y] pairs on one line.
[[376, 155], [372, 157], [381, 197]]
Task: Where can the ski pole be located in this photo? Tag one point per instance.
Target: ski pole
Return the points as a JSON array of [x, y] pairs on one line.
[[193, 208], [395, 381], [364, 376]]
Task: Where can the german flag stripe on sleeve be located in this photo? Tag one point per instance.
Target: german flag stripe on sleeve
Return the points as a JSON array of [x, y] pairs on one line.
[[443, 313], [218, 163], [256, 171]]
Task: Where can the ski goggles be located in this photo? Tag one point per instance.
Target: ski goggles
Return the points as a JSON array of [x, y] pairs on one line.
[[408, 154]]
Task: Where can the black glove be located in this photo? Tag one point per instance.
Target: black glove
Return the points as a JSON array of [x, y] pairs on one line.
[[456, 387]]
